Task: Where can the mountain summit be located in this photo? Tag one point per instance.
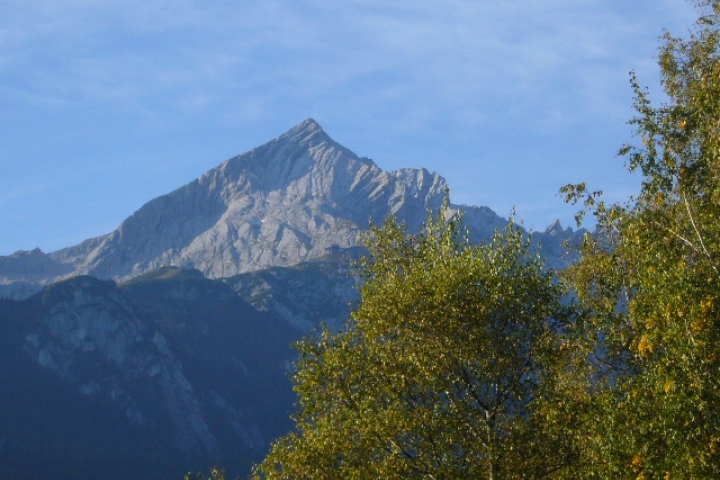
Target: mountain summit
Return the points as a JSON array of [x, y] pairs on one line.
[[113, 379], [285, 202]]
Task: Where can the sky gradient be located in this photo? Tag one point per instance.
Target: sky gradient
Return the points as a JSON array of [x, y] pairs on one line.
[[105, 105]]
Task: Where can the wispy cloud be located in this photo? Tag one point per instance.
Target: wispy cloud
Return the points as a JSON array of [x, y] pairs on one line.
[[434, 84], [458, 55]]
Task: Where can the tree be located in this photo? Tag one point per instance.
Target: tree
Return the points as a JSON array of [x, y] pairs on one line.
[[215, 474], [649, 282], [441, 370]]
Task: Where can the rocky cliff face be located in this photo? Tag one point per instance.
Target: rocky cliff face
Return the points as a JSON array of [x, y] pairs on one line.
[[88, 325], [173, 369], [285, 202], [306, 295], [280, 204]]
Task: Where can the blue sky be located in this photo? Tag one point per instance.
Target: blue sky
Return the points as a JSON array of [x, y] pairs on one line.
[[106, 104]]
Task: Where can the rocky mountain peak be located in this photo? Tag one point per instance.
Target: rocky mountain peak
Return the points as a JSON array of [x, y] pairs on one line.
[[304, 152], [288, 201], [554, 228], [305, 131], [282, 203]]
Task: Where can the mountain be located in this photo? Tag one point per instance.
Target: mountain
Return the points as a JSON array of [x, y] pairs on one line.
[[285, 202], [164, 345], [168, 372], [306, 295]]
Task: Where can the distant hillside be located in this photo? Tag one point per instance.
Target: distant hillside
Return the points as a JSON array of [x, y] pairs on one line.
[[143, 380]]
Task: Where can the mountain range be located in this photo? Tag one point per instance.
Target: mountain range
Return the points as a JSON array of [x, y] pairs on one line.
[[164, 345]]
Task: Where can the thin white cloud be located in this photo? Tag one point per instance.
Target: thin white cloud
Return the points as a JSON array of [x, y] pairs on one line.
[[456, 53], [411, 81]]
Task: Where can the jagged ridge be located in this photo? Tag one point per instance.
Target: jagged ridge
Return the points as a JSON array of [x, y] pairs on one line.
[[288, 201], [282, 203]]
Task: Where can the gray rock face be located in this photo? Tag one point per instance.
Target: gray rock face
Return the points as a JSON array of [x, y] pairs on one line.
[[31, 265], [282, 203], [307, 295], [89, 321], [288, 201], [23, 272], [166, 373]]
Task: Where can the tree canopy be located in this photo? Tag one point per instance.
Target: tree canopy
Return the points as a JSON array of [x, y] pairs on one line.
[[648, 282], [472, 361], [440, 369]]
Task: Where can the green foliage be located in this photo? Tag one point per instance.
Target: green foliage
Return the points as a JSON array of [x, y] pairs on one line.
[[461, 362], [442, 371], [215, 474], [648, 283]]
